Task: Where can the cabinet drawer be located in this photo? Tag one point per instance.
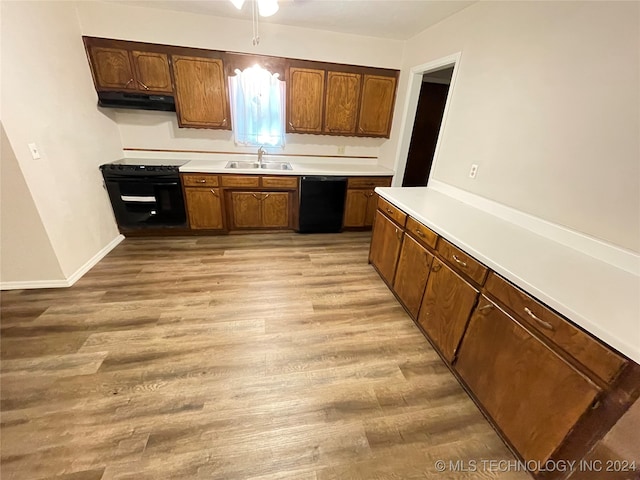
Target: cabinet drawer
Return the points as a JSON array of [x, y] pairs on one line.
[[190, 180], [588, 351], [240, 181], [392, 212], [421, 233], [368, 182], [280, 182], [462, 262]]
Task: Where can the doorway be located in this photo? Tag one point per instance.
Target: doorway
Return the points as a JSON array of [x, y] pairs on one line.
[[434, 90]]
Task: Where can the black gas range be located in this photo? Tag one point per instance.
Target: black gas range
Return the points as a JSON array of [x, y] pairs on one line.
[[145, 193]]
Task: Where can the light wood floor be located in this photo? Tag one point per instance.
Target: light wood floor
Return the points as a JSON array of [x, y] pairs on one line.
[[237, 357]]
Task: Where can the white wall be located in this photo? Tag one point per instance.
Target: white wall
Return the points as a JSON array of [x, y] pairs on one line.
[[26, 254], [160, 130], [547, 103], [48, 98]]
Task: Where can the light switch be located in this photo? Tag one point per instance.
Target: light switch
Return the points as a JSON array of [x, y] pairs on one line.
[[34, 151]]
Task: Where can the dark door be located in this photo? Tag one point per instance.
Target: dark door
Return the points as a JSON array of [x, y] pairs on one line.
[[425, 133]]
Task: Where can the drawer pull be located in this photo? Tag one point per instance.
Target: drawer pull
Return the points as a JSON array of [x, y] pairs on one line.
[[202, 181], [389, 211], [539, 320], [419, 232], [214, 192], [458, 261]]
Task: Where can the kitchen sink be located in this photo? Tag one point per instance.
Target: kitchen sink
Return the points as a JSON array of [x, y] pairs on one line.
[[276, 166], [264, 165], [235, 164]]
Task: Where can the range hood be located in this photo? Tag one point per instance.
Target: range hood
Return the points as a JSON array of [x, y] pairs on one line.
[[139, 101]]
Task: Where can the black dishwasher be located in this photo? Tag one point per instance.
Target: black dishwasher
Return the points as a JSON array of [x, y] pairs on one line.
[[322, 204]]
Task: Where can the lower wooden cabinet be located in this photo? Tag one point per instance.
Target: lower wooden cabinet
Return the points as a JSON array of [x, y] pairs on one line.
[[360, 208], [385, 246], [204, 208], [446, 308], [252, 210], [532, 394], [412, 274]]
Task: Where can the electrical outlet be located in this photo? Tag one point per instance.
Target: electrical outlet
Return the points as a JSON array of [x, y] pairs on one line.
[[474, 171], [33, 148], [341, 149]]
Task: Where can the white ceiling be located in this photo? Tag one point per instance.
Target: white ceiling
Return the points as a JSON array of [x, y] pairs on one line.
[[396, 19]]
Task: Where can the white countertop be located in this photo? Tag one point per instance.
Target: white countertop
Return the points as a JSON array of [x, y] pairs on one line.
[[596, 295], [306, 166]]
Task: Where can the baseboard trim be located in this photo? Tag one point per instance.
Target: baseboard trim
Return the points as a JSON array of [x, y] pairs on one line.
[[69, 281], [624, 259]]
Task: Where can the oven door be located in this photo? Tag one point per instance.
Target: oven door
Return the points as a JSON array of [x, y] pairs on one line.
[[147, 202]]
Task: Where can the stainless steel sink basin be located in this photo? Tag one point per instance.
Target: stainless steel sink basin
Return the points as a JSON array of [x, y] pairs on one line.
[[235, 164], [264, 165], [276, 166]]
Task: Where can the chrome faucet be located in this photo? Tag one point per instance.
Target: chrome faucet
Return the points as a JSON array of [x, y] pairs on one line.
[[261, 152]]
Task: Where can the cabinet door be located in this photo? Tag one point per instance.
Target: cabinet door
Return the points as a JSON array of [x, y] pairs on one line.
[[446, 308], [376, 105], [245, 210], [204, 208], [385, 246], [152, 71], [275, 209], [355, 209], [412, 274], [533, 395], [112, 69], [372, 205], [201, 95], [304, 105], [341, 102]]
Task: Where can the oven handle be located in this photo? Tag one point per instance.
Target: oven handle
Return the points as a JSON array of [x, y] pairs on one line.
[[146, 180]]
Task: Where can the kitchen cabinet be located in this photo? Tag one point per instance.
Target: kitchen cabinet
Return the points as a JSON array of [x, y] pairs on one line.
[[335, 99], [376, 105], [203, 201], [204, 208], [386, 241], [305, 88], [532, 395], [122, 69], [263, 209], [201, 93], [446, 308], [361, 200], [412, 274], [341, 102]]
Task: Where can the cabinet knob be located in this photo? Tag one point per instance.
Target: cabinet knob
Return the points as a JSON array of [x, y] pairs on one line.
[[419, 232], [202, 180], [436, 267]]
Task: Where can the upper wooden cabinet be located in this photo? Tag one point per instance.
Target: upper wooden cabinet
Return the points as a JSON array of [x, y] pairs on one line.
[[124, 69], [341, 102], [333, 99], [201, 94], [376, 105], [304, 103]]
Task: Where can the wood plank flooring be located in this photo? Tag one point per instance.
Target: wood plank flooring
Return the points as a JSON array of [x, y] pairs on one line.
[[274, 356]]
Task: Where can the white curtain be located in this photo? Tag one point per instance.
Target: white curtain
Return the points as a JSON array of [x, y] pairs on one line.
[[257, 107]]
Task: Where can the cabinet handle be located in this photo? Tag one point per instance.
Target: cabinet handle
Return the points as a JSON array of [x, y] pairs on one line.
[[202, 180], [486, 307], [224, 121], [361, 129], [389, 211], [436, 267], [255, 196], [371, 194], [214, 192], [545, 324], [265, 197], [128, 83], [458, 261], [291, 125], [419, 232], [143, 85]]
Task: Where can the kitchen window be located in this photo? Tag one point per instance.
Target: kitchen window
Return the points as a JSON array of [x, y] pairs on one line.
[[257, 107]]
